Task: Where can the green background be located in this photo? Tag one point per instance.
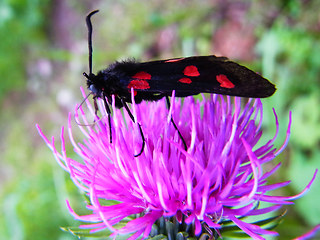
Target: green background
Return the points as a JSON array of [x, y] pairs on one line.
[[43, 52]]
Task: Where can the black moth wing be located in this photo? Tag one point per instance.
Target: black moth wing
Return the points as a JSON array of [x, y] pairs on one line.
[[188, 76]]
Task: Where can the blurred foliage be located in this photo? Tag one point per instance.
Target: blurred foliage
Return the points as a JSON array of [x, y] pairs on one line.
[[43, 52], [20, 24]]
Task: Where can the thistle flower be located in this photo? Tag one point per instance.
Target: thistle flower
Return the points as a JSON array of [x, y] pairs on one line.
[[218, 180]]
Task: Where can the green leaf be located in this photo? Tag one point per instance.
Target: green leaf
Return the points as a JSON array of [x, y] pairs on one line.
[[236, 232], [79, 232]]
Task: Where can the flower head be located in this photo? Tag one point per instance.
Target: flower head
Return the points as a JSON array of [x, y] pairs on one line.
[[218, 178]]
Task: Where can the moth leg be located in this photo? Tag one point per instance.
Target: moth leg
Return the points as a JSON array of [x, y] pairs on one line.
[[133, 120], [108, 112], [95, 106], [175, 126]]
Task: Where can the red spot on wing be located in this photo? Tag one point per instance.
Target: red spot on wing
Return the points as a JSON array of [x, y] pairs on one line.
[[174, 60], [139, 84], [185, 80], [134, 92], [191, 71], [224, 81], [142, 75], [140, 81]]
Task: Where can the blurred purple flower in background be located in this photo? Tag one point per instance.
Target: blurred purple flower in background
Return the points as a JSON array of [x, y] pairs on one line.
[[218, 181]]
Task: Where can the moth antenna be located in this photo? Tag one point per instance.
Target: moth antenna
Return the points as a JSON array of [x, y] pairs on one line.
[[84, 100], [89, 25], [92, 124], [86, 125]]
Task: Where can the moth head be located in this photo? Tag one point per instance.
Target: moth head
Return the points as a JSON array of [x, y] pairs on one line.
[[93, 85]]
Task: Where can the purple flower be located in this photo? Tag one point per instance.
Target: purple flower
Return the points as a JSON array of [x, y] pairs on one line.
[[219, 178], [310, 234]]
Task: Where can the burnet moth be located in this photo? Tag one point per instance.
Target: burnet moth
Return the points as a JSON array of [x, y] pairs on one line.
[[154, 80]]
